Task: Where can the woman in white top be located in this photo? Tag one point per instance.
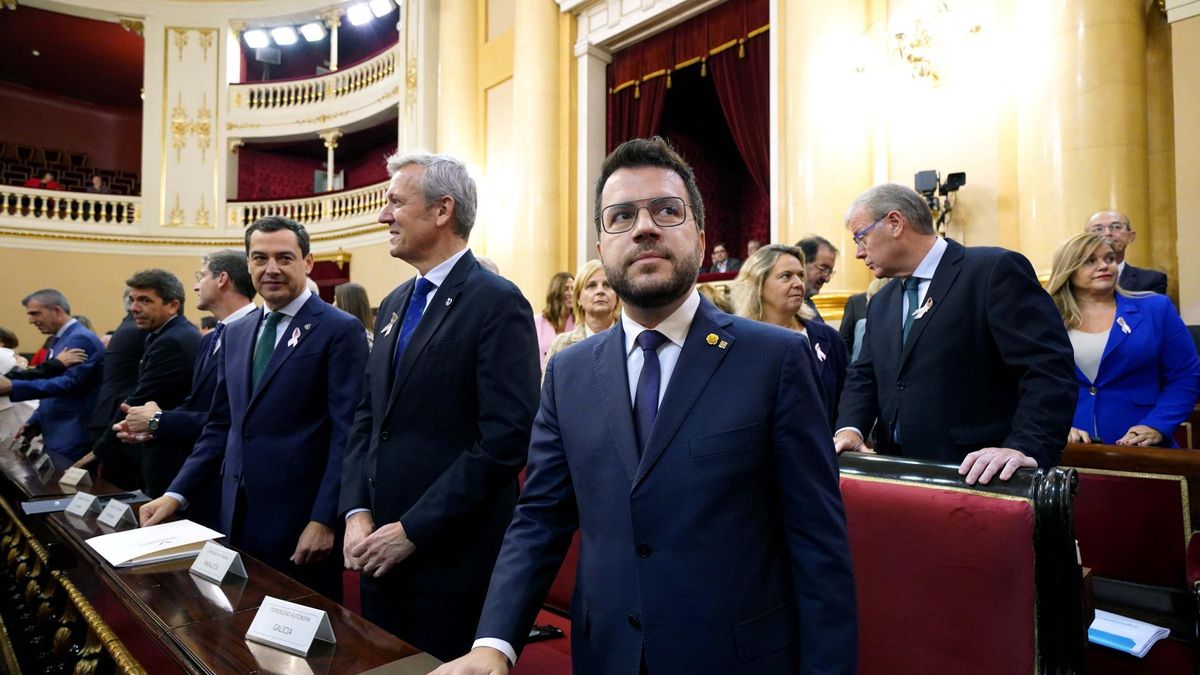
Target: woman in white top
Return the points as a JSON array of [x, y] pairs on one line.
[[12, 415], [1138, 373]]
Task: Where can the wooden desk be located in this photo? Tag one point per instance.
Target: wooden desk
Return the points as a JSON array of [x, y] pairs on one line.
[[174, 622], [29, 484]]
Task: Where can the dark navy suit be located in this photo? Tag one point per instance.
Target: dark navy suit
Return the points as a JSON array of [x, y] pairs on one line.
[[988, 365], [1141, 279], [278, 449], [722, 549], [831, 359], [68, 399], [439, 447], [1149, 375]]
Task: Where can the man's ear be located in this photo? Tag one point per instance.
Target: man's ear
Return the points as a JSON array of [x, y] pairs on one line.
[[445, 210]]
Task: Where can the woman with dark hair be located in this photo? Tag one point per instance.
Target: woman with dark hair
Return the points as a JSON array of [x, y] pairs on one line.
[[1138, 373], [557, 316], [770, 288], [351, 298]]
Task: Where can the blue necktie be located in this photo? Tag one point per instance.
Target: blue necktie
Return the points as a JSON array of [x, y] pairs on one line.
[[211, 347], [412, 317], [911, 286], [645, 401]]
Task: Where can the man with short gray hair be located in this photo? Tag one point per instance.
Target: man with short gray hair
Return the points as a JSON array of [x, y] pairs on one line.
[[965, 359], [820, 257], [430, 473], [1115, 226], [68, 399]]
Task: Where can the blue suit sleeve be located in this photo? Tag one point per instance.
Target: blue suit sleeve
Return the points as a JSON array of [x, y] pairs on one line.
[[205, 460], [347, 352], [71, 380], [180, 426], [1178, 372], [806, 476]]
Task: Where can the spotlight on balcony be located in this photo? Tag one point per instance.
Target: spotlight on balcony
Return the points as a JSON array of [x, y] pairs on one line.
[[359, 14], [284, 35], [256, 39], [313, 32], [381, 8]]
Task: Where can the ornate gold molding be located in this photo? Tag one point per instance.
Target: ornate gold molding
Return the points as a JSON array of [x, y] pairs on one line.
[[202, 127], [175, 218], [331, 138], [410, 82], [181, 40], [333, 18], [235, 144], [202, 215], [179, 128], [9, 4], [206, 41], [133, 25], [351, 231]]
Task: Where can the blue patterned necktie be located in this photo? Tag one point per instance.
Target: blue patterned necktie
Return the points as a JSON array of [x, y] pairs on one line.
[[412, 317], [211, 345], [645, 401]]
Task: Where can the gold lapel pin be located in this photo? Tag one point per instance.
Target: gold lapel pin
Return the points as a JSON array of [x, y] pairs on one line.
[[711, 339]]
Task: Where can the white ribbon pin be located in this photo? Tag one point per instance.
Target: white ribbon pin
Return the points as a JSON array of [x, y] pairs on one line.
[[1124, 326], [388, 328], [295, 338], [920, 312], [820, 354]]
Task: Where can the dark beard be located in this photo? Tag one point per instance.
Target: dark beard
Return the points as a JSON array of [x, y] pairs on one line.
[[681, 281]]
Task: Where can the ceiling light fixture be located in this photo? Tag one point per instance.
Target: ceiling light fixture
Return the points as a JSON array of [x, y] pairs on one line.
[[381, 8], [359, 14], [313, 32], [284, 35], [256, 39]]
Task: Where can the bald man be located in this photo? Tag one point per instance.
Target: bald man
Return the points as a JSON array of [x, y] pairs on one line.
[[1116, 227]]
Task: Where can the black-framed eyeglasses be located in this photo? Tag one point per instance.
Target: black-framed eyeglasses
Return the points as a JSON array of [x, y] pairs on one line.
[[663, 211], [862, 234]]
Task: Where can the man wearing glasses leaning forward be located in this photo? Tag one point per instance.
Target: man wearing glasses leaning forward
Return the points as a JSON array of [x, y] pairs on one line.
[[687, 448], [1115, 226]]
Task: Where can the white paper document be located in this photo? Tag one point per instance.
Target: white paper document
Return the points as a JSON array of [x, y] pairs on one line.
[[1124, 634], [157, 543]]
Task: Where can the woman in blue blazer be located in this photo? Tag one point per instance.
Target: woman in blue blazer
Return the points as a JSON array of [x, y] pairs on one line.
[[1139, 376], [770, 288]]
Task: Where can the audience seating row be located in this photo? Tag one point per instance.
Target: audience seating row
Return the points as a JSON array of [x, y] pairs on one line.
[[19, 163]]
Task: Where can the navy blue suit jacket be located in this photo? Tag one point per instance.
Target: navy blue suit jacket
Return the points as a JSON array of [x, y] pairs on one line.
[[1141, 279], [723, 549], [281, 444], [988, 365], [829, 353], [439, 448], [181, 426], [1149, 375], [68, 399]]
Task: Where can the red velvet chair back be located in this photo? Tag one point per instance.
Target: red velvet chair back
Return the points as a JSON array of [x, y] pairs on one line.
[[945, 578], [1133, 526]]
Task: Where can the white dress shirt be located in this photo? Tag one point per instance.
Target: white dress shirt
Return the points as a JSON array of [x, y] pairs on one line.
[[675, 328]]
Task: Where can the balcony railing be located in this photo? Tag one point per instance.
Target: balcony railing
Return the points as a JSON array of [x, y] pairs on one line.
[[332, 86], [348, 205], [69, 207]]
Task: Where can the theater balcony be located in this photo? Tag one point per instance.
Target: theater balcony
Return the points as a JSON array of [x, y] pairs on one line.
[[332, 214], [309, 105], [51, 213]]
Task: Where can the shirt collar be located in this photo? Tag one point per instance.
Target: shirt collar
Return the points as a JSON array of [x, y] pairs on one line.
[[246, 310], [165, 324], [65, 326], [289, 310], [437, 275], [674, 328], [930, 263]]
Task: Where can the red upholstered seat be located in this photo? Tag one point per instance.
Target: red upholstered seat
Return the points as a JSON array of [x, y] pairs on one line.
[[1131, 527], [945, 579]]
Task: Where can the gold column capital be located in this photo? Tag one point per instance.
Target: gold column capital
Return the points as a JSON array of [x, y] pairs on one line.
[[132, 24], [331, 137], [333, 17], [235, 144], [238, 27]]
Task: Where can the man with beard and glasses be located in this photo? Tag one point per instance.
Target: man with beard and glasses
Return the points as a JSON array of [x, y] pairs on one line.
[[687, 447]]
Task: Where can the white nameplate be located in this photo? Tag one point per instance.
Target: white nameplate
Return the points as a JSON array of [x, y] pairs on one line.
[[82, 504], [115, 513], [78, 478], [215, 561], [288, 626], [33, 450], [42, 463]]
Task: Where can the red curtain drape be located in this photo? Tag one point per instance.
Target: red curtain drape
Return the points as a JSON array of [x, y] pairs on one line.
[[744, 91], [329, 275]]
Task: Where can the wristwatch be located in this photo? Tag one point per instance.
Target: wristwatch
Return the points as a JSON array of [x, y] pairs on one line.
[[153, 423]]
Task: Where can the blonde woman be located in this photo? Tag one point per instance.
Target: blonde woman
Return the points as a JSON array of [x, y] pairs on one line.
[[1135, 361], [596, 307], [556, 316], [770, 288]]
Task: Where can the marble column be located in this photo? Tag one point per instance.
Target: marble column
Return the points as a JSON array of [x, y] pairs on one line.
[[458, 124]]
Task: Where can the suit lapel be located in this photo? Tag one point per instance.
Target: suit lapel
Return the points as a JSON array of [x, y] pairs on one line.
[[943, 279], [610, 372], [697, 363], [298, 330], [1127, 313], [442, 304], [1128, 278]]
